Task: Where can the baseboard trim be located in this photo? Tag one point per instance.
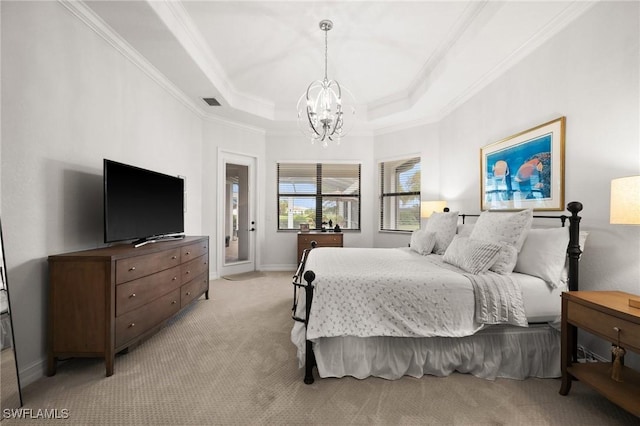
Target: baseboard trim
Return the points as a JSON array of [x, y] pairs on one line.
[[33, 373]]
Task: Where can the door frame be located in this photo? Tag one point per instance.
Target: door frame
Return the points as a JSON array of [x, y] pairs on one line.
[[231, 157]]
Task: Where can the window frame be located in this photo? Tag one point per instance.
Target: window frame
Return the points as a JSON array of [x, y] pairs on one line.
[[318, 195], [417, 158]]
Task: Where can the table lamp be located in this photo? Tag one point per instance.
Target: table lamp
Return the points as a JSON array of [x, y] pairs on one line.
[[625, 208], [428, 207]]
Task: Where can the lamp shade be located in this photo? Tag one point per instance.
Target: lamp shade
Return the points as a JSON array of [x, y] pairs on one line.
[[428, 207], [625, 201]]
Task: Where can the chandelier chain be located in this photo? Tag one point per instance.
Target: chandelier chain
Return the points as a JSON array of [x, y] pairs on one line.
[[326, 54]]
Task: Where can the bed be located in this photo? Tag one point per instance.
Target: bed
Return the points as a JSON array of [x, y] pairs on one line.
[[480, 298]]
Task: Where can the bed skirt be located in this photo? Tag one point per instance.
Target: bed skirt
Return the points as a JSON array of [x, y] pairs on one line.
[[498, 351]]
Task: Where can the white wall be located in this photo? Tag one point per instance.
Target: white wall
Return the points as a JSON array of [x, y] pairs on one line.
[[589, 73], [219, 135], [69, 99], [424, 141], [280, 249]]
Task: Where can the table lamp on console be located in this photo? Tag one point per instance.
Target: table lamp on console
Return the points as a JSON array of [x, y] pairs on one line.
[[625, 210]]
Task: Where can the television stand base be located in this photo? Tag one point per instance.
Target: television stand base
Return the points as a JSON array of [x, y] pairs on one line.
[[144, 241]]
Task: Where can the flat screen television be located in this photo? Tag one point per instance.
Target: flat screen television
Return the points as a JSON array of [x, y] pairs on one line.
[[141, 204]]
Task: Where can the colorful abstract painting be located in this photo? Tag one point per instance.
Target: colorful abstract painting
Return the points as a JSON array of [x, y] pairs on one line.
[[525, 170]]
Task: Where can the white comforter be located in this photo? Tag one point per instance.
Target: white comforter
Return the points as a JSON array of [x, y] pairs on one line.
[[393, 292], [396, 292]]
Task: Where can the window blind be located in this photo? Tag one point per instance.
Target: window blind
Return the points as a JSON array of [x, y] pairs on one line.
[[400, 194]]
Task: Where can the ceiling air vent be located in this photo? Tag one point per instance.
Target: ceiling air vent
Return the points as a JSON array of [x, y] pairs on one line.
[[212, 101]]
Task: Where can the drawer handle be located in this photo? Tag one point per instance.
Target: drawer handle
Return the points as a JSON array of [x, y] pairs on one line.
[[188, 272], [174, 257], [173, 302], [188, 293], [133, 324], [133, 295], [188, 253], [133, 268], [174, 278], [205, 262]]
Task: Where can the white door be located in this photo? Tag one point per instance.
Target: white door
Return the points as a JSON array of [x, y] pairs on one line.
[[237, 210]]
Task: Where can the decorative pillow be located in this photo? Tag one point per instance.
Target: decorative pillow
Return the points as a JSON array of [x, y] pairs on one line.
[[544, 254], [471, 255], [502, 227], [506, 260], [422, 242], [444, 224], [582, 239]]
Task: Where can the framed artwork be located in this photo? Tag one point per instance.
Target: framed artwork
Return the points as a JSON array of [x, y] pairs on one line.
[[525, 170], [304, 227]]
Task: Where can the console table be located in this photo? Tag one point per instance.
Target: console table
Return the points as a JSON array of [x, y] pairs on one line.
[[606, 314], [104, 300], [324, 239]]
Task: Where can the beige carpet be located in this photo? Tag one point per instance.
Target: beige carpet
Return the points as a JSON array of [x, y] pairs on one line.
[[229, 360]]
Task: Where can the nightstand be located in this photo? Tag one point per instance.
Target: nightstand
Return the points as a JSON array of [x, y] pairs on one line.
[[601, 313], [324, 239]]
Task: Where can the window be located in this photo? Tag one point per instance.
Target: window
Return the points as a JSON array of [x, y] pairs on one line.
[[400, 195], [317, 193]]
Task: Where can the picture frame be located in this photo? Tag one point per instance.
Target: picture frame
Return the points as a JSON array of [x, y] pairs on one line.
[[525, 170], [304, 227]]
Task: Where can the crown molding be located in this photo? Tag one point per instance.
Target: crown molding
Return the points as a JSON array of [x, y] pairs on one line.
[[406, 98], [81, 11], [180, 24], [234, 124], [569, 14]]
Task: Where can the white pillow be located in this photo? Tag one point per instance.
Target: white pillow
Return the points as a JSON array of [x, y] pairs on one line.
[[582, 239], [444, 224], [506, 260], [464, 230], [422, 242], [544, 254], [503, 227], [471, 255]]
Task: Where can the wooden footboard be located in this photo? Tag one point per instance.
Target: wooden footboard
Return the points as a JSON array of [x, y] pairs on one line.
[[303, 279]]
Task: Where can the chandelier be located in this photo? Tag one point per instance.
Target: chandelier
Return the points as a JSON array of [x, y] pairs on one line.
[[321, 108]]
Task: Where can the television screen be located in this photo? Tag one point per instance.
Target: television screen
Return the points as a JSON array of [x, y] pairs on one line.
[[140, 203]]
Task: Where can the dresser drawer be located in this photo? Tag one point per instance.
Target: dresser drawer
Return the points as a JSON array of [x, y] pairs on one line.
[[323, 240], [193, 268], [194, 250], [134, 323], [140, 266], [136, 293], [600, 323], [193, 289]]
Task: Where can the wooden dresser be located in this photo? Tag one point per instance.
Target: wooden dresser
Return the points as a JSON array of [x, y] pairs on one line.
[[102, 301], [324, 239]]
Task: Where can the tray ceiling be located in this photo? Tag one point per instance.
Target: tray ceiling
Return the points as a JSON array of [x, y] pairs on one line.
[[405, 62]]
